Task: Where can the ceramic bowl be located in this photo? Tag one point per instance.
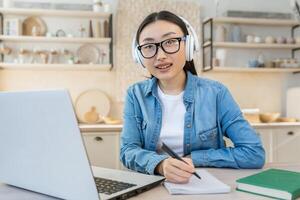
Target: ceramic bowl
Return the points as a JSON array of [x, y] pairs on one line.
[[280, 40], [269, 117], [257, 39], [269, 40]]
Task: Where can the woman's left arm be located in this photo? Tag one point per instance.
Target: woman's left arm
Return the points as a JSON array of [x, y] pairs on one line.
[[247, 152]]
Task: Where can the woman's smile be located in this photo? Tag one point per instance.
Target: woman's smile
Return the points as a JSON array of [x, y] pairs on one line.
[[163, 67]]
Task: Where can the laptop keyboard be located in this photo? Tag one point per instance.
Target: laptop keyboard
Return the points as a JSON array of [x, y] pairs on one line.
[[108, 186]]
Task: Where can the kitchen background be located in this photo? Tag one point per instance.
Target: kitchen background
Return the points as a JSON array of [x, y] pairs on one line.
[[266, 90]]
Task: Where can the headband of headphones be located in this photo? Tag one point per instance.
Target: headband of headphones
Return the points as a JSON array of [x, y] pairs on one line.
[[192, 32], [192, 44]]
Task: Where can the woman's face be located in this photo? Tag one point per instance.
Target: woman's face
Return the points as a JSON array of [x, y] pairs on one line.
[[164, 66]]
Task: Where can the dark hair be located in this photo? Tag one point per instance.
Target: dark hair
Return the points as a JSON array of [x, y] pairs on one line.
[[170, 17]]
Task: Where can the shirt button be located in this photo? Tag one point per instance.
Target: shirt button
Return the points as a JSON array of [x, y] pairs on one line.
[[189, 125]]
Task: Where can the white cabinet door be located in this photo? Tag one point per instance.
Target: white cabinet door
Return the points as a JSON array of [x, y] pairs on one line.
[[265, 136], [287, 145], [103, 148]]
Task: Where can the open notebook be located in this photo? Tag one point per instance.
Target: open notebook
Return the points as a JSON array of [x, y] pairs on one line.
[[208, 184]]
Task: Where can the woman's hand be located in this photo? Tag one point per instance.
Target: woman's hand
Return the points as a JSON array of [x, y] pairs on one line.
[[175, 170]]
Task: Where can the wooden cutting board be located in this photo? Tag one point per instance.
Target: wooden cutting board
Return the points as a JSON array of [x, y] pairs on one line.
[[91, 106]]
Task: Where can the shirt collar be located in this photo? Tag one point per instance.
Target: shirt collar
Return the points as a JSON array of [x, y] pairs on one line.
[[188, 90]]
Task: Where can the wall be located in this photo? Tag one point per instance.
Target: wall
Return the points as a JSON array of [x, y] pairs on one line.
[[266, 91], [130, 72]]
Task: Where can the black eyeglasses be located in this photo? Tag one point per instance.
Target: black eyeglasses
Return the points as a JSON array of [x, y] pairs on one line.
[[170, 46]]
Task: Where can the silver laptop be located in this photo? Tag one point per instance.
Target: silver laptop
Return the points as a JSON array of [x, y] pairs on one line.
[[41, 149]]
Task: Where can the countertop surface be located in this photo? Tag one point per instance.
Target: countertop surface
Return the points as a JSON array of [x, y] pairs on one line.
[[118, 127], [228, 176]]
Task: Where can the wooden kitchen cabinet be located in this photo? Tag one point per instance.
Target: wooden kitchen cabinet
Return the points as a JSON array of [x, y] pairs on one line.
[[103, 148], [266, 138], [287, 145], [281, 143]]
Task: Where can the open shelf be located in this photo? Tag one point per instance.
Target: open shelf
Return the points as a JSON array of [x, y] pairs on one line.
[[37, 66], [9, 38], [209, 44], [254, 45], [254, 21], [52, 13], [249, 69]]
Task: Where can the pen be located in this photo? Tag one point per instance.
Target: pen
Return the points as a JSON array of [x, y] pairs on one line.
[[169, 151]]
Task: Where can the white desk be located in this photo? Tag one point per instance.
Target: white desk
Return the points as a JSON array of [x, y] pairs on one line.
[[228, 176]]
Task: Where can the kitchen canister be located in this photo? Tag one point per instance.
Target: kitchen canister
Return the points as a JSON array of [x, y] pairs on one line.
[[261, 60], [236, 33], [249, 38], [215, 62], [269, 40], [253, 63], [221, 56], [257, 39], [220, 33]]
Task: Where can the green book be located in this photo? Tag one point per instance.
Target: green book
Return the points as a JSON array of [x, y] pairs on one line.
[[275, 183]]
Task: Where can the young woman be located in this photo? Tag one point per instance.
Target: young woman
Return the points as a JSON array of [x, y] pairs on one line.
[[188, 113]]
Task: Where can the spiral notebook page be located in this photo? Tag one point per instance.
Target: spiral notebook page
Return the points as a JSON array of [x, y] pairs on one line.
[[208, 184]]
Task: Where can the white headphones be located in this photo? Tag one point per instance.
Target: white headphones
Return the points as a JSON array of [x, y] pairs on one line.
[[191, 44]]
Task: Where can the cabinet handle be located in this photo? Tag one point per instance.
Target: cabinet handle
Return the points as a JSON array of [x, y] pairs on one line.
[[290, 133], [98, 138]]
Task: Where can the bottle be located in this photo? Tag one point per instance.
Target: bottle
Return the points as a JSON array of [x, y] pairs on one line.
[[220, 33], [261, 60], [236, 33]]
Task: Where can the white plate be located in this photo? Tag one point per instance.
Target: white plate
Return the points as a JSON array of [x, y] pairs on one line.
[[88, 54], [89, 99]]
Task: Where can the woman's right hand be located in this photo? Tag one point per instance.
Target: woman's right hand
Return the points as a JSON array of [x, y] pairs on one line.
[[175, 170]]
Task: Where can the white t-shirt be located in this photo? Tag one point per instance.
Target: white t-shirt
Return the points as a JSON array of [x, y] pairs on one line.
[[172, 130]]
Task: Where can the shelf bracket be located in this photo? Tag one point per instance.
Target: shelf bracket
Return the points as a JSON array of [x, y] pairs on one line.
[[207, 43]]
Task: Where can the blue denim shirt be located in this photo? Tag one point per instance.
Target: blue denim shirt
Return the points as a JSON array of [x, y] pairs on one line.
[[211, 114]]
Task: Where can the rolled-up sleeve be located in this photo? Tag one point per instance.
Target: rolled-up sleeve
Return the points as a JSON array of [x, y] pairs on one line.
[[132, 155]]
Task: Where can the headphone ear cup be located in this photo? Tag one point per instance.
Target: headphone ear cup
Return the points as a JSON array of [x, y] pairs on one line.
[[137, 57], [188, 48], [191, 48]]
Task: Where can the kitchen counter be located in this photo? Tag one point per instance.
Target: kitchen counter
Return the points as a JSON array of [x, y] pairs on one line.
[[118, 128], [276, 124], [100, 128]]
